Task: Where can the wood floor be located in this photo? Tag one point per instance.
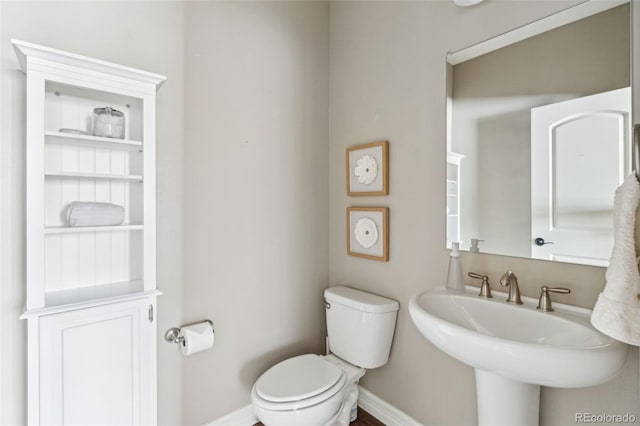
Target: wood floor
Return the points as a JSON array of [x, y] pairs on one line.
[[364, 419]]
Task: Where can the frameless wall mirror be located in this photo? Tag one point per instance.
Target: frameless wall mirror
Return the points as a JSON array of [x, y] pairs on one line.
[[539, 136]]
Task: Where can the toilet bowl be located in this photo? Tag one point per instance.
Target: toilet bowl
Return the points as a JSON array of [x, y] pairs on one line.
[[310, 390], [320, 390]]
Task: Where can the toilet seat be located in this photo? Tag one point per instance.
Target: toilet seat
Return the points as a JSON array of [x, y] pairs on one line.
[[299, 382]]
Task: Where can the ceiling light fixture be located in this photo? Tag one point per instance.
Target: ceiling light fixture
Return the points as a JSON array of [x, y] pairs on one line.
[[465, 3]]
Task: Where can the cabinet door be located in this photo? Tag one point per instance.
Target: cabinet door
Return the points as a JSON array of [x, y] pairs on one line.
[[97, 365]]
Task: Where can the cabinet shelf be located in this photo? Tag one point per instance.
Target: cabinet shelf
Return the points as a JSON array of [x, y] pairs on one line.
[[80, 229], [131, 178], [99, 292], [91, 141], [85, 297]]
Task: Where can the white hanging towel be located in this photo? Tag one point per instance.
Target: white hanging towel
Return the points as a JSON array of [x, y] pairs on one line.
[[617, 310]]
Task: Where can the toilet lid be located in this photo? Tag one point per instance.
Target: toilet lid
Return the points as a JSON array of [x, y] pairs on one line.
[[297, 378]]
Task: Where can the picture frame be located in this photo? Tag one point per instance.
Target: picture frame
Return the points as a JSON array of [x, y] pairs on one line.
[[368, 169], [368, 232]]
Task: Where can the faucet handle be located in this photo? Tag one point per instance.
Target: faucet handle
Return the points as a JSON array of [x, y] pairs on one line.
[[562, 290], [544, 303], [478, 276], [485, 289]]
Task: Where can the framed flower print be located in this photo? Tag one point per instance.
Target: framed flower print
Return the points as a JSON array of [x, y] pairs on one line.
[[368, 169], [368, 232]]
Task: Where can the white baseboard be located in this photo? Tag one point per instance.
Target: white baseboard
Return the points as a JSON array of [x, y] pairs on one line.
[[378, 408], [383, 411], [241, 417]]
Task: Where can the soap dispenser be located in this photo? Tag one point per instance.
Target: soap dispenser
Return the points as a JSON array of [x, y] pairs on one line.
[[454, 275], [474, 245]]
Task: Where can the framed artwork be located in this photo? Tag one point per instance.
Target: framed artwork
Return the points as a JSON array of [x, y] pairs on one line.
[[368, 232], [368, 169]]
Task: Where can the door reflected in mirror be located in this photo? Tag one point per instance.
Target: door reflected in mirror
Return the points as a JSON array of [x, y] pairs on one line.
[[539, 136]]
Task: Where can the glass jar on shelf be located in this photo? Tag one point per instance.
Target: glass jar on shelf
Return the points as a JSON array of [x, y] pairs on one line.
[[108, 123]]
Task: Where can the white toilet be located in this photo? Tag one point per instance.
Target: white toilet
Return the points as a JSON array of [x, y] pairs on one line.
[[320, 390]]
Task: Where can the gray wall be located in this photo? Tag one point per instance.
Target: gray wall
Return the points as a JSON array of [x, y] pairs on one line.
[[256, 192], [145, 35], [387, 80]]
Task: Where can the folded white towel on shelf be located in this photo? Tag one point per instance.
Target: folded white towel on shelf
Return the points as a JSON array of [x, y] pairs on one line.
[[89, 213], [617, 310]]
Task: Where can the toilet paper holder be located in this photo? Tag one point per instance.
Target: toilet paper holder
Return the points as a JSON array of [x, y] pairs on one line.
[[172, 335]]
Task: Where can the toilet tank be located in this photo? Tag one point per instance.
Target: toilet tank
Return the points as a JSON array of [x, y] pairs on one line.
[[360, 325]]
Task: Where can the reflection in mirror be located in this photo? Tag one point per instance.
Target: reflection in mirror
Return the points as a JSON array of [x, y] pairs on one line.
[[539, 137]]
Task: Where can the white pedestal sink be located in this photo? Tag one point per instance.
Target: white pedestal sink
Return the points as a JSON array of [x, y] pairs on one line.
[[515, 349]]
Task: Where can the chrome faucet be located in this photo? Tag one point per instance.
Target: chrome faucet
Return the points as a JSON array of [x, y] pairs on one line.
[[509, 279], [544, 304]]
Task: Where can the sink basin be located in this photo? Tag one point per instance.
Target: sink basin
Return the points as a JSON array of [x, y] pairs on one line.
[[559, 349], [516, 348]]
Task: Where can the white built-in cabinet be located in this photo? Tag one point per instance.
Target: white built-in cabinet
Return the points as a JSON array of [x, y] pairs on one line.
[[90, 291]]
